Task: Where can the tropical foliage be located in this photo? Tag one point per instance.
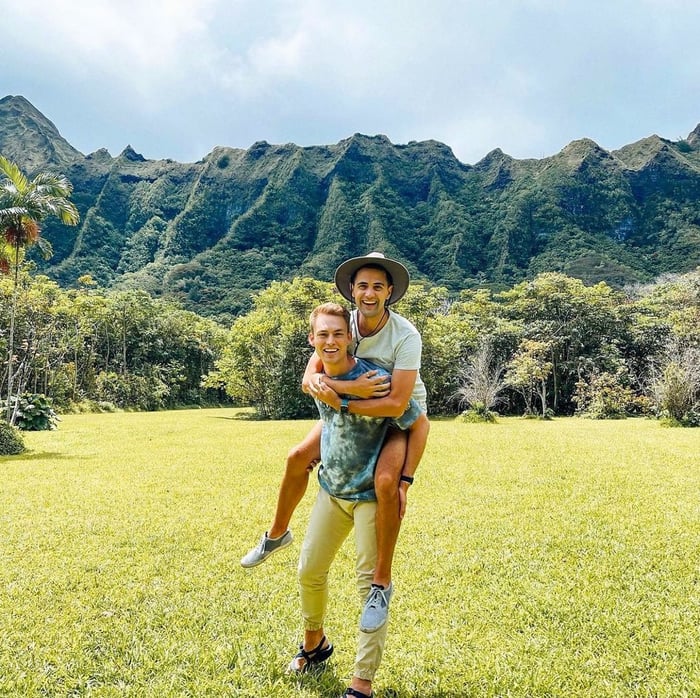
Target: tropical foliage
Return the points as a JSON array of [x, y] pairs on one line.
[[23, 205], [267, 350], [561, 347], [555, 347], [34, 412], [86, 348]]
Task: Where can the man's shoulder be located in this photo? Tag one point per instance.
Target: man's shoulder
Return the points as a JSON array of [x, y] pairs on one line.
[[367, 365], [404, 323]]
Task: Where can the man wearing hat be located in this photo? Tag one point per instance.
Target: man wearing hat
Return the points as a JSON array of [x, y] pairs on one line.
[[346, 500], [372, 282]]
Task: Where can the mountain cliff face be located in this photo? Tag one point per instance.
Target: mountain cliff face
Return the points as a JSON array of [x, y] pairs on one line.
[[210, 233]]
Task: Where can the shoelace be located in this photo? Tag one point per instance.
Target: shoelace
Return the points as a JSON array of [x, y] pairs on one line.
[[377, 598]]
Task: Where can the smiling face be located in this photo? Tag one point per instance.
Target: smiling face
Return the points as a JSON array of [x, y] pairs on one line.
[[330, 337], [371, 289]]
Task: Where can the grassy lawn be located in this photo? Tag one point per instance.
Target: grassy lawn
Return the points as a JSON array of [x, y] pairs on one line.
[[537, 559]]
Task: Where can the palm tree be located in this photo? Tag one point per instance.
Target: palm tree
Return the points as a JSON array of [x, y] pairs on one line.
[[23, 205]]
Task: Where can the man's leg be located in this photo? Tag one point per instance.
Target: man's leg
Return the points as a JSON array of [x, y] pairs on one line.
[[386, 483], [329, 525], [417, 441], [370, 646], [300, 462]]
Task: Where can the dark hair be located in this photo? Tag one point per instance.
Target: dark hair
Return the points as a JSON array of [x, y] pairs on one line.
[[330, 309], [389, 278]]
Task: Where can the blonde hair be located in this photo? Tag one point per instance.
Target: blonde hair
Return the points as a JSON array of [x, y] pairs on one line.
[[330, 309]]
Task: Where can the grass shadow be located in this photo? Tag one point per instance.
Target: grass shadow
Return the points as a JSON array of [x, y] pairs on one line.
[[32, 455], [397, 693], [321, 681], [247, 416]]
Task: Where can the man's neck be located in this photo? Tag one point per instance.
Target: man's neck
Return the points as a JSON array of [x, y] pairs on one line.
[[368, 327], [337, 370]]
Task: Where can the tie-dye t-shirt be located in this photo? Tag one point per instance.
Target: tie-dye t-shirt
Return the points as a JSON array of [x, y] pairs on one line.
[[350, 444]]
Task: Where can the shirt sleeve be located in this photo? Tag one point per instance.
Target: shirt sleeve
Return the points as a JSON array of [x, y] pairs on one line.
[[408, 353]]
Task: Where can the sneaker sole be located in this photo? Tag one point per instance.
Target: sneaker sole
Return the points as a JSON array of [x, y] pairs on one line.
[[373, 629]]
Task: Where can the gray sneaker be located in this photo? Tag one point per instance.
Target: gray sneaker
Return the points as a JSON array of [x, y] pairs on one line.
[[376, 609], [265, 548]]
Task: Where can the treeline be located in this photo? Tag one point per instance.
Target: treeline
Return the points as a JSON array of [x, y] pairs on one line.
[[550, 346], [91, 349]]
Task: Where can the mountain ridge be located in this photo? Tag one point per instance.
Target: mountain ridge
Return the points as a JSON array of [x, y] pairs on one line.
[[212, 232]]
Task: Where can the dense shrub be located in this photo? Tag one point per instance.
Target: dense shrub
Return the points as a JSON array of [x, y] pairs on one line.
[[677, 387], [35, 413], [128, 390], [11, 442], [476, 414], [605, 396]]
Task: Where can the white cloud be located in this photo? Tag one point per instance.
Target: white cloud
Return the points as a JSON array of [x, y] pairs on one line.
[[173, 77]]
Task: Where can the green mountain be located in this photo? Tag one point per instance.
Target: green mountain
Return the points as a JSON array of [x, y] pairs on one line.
[[211, 232]]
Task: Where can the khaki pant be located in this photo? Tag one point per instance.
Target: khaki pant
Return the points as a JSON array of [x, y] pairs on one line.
[[330, 523]]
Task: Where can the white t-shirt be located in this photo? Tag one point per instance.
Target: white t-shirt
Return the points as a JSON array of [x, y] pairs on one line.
[[397, 345]]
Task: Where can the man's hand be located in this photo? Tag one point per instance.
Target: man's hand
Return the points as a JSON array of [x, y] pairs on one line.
[[324, 393], [310, 467], [371, 384]]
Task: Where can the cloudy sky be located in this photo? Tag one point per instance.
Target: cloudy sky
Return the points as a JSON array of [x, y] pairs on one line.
[[174, 78]]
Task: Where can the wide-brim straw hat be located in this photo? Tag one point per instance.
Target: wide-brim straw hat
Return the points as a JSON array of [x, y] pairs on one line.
[[397, 271]]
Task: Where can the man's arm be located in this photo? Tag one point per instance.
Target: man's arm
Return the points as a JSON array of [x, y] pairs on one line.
[[393, 405], [368, 385], [314, 368]]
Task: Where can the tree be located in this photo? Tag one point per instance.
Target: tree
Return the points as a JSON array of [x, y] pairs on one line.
[[267, 350], [576, 321], [23, 205], [481, 380], [528, 372], [676, 385]]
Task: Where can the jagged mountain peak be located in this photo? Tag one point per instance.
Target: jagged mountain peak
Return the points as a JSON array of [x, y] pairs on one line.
[[102, 154], [694, 136], [130, 154], [582, 150], [650, 151], [28, 137], [494, 157]]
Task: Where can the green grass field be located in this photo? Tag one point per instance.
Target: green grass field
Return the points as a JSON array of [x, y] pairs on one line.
[[537, 559]]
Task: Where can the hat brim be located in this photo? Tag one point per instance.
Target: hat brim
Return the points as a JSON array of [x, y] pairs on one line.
[[398, 272]]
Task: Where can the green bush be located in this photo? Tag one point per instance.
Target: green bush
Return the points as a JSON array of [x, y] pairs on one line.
[[605, 396], [130, 390], [691, 418], [11, 441], [477, 413], [35, 413]]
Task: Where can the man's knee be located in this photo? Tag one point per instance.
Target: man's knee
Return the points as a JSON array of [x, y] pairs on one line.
[[386, 484], [310, 576], [298, 460]]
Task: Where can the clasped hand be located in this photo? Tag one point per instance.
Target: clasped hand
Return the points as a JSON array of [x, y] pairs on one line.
[[324, 392], [369, 385]]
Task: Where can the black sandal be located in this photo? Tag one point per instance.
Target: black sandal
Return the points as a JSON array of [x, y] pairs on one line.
[[354, 693], [311, 657]]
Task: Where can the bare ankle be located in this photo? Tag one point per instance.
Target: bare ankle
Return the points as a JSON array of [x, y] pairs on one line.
[[361, 685]]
